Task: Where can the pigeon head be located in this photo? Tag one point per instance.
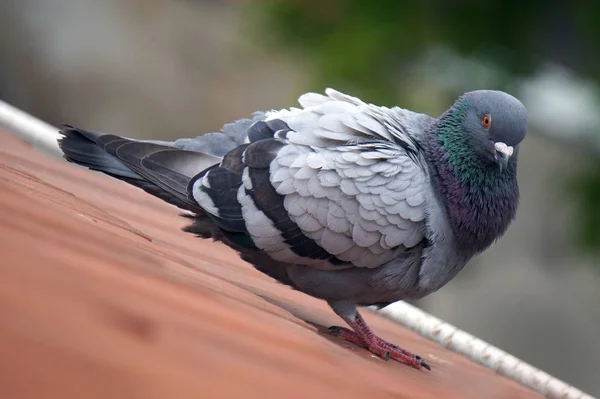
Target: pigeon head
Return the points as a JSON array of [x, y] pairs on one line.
[[473, 150], [490, 124]]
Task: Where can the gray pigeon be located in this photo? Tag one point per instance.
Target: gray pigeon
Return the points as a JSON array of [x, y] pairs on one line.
[[346, 201]]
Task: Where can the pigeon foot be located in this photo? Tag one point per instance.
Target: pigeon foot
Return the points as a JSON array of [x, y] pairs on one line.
[[362, 335]]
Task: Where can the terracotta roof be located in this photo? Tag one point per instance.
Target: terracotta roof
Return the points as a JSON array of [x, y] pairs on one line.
[[103, 296]]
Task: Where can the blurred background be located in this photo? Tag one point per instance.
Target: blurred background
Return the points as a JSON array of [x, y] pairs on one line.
[[178, 68]]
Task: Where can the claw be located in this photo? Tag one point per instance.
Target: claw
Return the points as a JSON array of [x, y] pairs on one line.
[[335, 330], [386, 355], [362, 335]]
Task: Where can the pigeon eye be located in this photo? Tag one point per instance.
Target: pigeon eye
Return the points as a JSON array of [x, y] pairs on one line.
[[486, 121]]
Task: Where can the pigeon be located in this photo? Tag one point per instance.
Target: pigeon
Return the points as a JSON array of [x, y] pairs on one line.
[[349, 202]]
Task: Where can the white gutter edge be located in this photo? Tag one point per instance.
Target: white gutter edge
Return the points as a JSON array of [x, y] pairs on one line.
[[481, 352]]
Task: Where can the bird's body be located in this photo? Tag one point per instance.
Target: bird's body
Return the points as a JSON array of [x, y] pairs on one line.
[[346, 201]]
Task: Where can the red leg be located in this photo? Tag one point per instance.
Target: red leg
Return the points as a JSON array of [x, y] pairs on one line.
[[363, 336]]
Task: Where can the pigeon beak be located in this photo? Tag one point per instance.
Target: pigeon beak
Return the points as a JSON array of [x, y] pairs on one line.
[[503, 153]]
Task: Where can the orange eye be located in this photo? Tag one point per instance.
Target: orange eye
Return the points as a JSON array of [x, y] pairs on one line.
[[486, 121]]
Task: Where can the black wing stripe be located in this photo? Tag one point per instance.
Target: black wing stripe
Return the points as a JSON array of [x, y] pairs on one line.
[[268, 201], [261, 153], [259, 131], [265, 129], [277, 124], [232, 161], [222, 189]]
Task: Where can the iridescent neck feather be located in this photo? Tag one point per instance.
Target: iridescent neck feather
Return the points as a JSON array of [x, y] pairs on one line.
[[480, 200]]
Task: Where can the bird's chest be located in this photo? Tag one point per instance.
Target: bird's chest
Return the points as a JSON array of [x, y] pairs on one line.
[[478, 218]]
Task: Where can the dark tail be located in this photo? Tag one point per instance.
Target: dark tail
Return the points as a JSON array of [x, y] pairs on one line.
[[159, 169]]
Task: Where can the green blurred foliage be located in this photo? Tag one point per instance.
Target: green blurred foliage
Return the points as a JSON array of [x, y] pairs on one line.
[[368, 47], [587, 189], [364, 44]]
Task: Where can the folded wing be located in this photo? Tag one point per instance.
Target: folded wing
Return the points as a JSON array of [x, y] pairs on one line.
[[337, 184]]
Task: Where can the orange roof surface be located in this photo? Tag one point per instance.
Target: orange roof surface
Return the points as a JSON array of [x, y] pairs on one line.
[[103, 296]]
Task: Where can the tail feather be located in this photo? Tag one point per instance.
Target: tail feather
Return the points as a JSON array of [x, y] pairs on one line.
[[166, 196], [79, 148], [158, 169]]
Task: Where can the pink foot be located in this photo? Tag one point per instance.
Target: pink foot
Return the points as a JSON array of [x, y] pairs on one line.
[[363, 336]]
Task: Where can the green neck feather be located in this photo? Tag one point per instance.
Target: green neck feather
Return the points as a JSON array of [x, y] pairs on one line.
[[480, 200], [467, 168]]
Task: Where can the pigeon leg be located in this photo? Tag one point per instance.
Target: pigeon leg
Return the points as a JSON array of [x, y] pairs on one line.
[[362, 335]]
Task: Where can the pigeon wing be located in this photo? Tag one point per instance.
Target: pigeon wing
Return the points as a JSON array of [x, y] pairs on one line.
[[336, 184]]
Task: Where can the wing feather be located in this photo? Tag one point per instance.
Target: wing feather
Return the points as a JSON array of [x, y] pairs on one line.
[[338, 181]]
